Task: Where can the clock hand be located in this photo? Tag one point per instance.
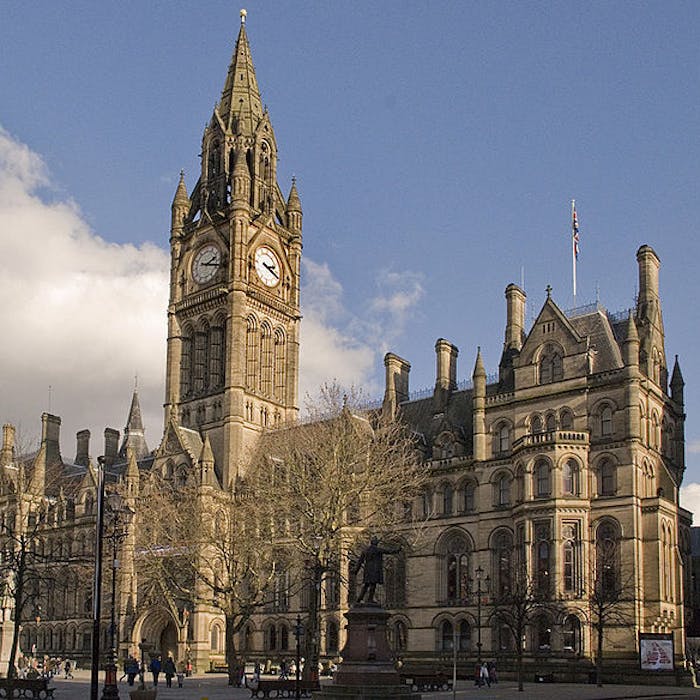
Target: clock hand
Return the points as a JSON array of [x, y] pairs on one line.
[[271, 268]]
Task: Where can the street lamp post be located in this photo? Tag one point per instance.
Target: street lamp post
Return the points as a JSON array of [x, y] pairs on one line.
[[298, 631], [119, 520], [97, 580], [479, 572]]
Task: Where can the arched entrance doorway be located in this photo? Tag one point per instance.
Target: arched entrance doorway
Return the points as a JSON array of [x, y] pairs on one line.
[[159, 632]]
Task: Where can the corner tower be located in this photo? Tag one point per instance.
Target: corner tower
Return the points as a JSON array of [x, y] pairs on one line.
[[233, 314]]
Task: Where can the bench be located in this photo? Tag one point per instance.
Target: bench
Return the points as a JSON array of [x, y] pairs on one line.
[[423, 682], [25, 688], [283, 689]]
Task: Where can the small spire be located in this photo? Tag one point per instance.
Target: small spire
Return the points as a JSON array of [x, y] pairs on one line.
[[293, 201], [181, 196], [632, 335], [244, 14], [548, 289], [677, 383], [479, 370]]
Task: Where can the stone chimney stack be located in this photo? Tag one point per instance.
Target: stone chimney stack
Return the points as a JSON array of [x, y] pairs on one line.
[[50, 437], [515, 319], [111, 445], [446, 365], [8, 445], [82, 452], [649, 264], [446, 380], [396, 390]]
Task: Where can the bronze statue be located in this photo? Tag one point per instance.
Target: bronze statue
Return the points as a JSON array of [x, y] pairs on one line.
[[372, 560]]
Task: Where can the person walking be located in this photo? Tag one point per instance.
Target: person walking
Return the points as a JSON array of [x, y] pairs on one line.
[[132, 669], [169, 670], [484, 673], [67, 669], [155, 668]]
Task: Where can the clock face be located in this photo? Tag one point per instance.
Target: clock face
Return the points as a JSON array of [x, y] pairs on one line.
[[206, 263], [267, 266]]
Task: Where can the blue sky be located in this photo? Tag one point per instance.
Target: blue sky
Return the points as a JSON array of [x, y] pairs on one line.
[[437, 147]]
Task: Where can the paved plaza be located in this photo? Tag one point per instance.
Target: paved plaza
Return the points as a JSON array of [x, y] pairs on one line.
[[214, 687]]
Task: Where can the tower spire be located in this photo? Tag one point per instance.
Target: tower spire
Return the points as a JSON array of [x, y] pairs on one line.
[[240, 98]]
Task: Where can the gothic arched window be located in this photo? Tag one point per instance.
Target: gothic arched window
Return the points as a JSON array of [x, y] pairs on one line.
[[535, 424], [543, 486], [280, 365], [606, 421], [200, 375], [447, 498], [566, 419], [607, 551], [456, 568], [469, 492], [464, 635], [571, 634], [570, 478], [542, 558], [551, 365], [252, 353], [446, 636], [266, 360], [572, 557], [606, 478], [502, 567]]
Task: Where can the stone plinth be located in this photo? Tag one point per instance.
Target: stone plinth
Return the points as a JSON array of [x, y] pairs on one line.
[[367, 670]]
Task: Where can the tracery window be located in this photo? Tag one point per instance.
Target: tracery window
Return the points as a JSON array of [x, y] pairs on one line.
[[463, 636], [550, 422], [535, 424], [398, 636], [551, 365]]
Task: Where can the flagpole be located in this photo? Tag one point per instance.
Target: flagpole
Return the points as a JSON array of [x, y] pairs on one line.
[[573, 246]]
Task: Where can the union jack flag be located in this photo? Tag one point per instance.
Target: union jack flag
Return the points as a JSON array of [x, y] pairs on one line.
[[574, 228]]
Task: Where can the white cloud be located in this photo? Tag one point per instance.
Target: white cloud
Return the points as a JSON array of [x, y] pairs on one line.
[[83, 316], [336, 344], [690, 499], [693, 447], [79, 314]]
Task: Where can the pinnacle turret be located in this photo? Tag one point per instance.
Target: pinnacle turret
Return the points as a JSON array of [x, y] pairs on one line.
[[677, 383]]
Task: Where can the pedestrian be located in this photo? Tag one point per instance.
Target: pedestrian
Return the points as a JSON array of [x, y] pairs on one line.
[[491, 666], [283, 670], [169, 670], [132, 669], [485, 675], [155, 667], [67, 670], [180, 678], [477, 675]]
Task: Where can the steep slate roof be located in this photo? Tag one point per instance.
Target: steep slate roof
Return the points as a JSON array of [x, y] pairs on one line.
[[596, 327]]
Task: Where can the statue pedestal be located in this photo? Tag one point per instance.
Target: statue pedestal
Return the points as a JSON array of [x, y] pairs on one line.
[[367, 670]]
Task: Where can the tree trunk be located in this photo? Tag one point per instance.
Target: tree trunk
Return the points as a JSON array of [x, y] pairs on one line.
[[18, 603], [599, 656], [233, 663], [520, 666], [313, 632]]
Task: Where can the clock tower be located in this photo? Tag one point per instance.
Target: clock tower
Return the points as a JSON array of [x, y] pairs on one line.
[[233, 313]]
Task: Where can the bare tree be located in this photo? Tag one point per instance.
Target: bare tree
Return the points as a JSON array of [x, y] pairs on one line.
[[610, 599], [203, 545], [322, 485], [31, 569], [517, 607]]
